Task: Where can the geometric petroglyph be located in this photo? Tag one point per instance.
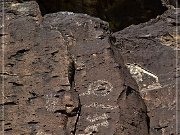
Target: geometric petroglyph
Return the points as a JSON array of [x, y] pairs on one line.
[[95, 127], [171, 40], [96, 105], [89, 130], [41, 132], [100, 120], [96, 117], [92, 128], [99, 88]]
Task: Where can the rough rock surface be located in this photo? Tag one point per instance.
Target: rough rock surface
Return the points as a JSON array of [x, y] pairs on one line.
[[37, 90], [151, 52], [60, 77], [109, 105]]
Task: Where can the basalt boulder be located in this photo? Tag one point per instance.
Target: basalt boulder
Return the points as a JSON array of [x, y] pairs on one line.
[[151, 53], [109, 97], [36, 97], [60, 76]]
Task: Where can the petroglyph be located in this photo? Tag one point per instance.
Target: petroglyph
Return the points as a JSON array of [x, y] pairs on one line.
[[170, 40], [153, 86], [95, 127], [97, 118], [96, 105], [51, 102], [68, 13], [91, 133], [99, 88], [41, 132], [138, 72]]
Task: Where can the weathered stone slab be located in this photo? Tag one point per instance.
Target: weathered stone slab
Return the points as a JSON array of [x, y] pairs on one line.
[[151, 52], [37, 91], [98, 79]]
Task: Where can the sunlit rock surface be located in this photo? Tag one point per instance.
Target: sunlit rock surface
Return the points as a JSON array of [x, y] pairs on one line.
[[60, 77]]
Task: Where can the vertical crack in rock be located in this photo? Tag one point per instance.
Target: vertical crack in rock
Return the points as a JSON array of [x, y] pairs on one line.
[[71, 76], [76, 123], [71, 73]]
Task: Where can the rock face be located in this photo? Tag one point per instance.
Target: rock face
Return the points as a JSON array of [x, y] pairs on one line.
[[60, 77], [151, 53], [104, 95], [37, 90], [119, 13]]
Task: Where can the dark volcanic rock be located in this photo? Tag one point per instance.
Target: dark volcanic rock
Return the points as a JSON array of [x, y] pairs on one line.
[[150, 51], [110, 103], [38, 98], [61, 76]]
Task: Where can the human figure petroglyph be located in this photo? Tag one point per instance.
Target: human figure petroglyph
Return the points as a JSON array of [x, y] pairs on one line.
[[99, 88]]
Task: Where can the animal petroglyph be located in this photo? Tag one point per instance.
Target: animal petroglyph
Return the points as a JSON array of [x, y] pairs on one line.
[[99, 88], [138, 72], [97, 118], [51, 102]]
